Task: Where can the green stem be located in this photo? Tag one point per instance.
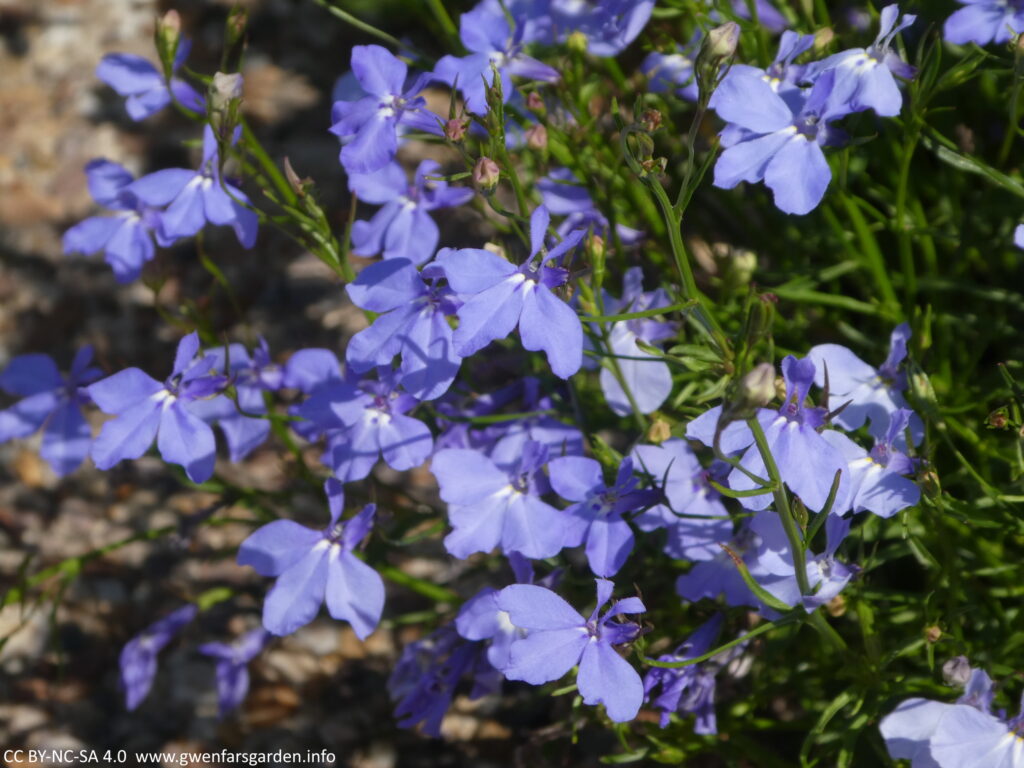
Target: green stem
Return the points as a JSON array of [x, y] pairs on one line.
[[789, 618], [268, 165], [902, 228], [785, 511], [362, 25]]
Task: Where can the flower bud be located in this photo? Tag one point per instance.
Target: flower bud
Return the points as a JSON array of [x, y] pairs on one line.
[[577, 42], [757, 388], [659, 431], [721, 41], [224, 99], [168, 35], [998, 419], [455, 129], [957, 671], [932, 635], [299, 185], [537, 137], [651, 120], [535, 103], [486, 174]]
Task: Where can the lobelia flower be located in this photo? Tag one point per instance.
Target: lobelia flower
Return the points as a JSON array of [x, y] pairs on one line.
[[251, 377], [563, 195], [427, 673], [646, 375], [403, 227], [771, 564], [126, 238], [693, 514], [985, 21], [596, 517], [688, 690], [50, 402], [877, 481], [146, 408], [491, 42], [864, 76], [608, 25], [233, 667], [806, 461], [674, 71], [371, 122], [194, 198], [492, 507], [314, 566], [1018, 236], [138, 657], [480, 618], [780, 141], [784, 77], [965, 734], [366, 420], [499, 296], [144, 85], [413, 311], [558, 638], [873, 395]]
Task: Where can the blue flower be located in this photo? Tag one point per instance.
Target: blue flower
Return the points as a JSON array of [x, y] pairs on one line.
[[688, 690], [412, 322], [985, 21], [144, 85], [233, 667], [138, 657], [777, 140], [365, 420], [868, 393], [372, 121], [499, 296], [597, 516], [490, 506], [558, 638], [52, 402], [125, 238], [486, 34], [864, 76], [402, 229], [311, 566], [194, 198], [608, 25], [965, 734], [146, 408]]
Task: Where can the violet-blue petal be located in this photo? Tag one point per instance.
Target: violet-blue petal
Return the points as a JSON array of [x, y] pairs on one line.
[[274, 548], [30, 375], [798, 175], [537, 608], [355, 592], [66, 439], [296, 596], [607, 678], [549, 324]]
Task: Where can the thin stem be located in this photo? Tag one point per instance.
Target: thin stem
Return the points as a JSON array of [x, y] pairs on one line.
[[785, 511]]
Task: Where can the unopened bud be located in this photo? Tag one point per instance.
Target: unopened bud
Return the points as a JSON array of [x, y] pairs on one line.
[[168, 35], [957, 671], [721, 41], [225, 96], [757, 388], [486, 174], [537, 137], [659, 431], [823, 38], [930, 484], [170, 22], [932, 635], [577, 42], [836, 606], [535, 103], [998, 419], [651, 120], [455, 129], [225, 87]]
